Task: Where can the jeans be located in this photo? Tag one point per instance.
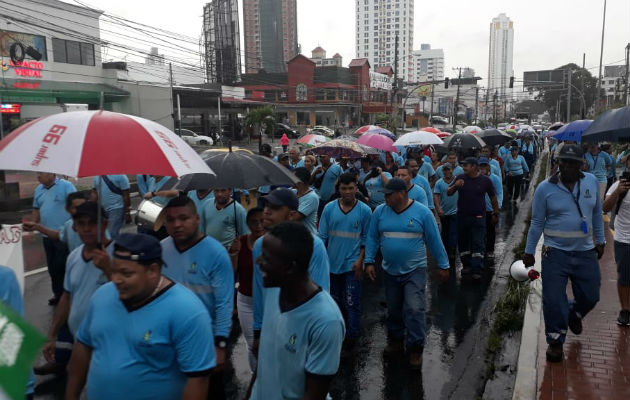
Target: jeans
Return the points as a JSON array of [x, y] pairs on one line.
[[346, 290], [558, 266], [115, 221], [491, 233], [245, 307], [471, 232], [56, 255], [406, 306], [449, 231], [514, 183]]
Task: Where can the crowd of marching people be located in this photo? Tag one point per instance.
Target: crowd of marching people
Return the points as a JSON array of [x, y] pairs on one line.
[[153, 311]]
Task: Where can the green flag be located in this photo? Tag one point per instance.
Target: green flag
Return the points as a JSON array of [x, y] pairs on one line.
[[19, 345]]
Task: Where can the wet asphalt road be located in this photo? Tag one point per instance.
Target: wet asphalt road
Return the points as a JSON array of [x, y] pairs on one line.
[[453, 312]]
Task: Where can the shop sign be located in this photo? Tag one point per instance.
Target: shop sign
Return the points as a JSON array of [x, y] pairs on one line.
[[380, 81], [10, 109]]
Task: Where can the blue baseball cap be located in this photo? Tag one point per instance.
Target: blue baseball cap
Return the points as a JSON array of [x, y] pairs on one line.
[[141, 247], [394, 185], [283, 197], [483, 160]]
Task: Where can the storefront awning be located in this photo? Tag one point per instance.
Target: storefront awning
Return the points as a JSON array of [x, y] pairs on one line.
[[40, 91]]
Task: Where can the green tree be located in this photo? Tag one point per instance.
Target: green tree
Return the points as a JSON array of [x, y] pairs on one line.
[[261, 120], [582, 81], [387, 121]]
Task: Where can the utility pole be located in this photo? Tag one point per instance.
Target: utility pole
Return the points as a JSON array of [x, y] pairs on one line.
[[476, 105], [494, 105], [569, 73], [601, 56], [625, 91], [170, 72], [395, 88], [582, 107], [455, 108], [485, 111], [431, 113]]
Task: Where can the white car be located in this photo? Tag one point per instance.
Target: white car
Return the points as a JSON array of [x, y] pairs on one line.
[[322, 130], [193, 139]]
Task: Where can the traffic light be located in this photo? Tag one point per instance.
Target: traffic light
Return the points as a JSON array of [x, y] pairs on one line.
[[446, 81], [511, 82]]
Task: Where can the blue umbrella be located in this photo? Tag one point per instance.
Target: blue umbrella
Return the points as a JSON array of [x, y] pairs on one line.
[[613, 126], [573, 130]]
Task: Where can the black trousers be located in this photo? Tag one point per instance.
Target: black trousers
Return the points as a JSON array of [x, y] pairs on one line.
[[491, 233], [56, 255], [514, 183]]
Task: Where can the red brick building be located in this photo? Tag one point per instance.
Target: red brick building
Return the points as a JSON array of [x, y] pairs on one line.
[[308, 95]]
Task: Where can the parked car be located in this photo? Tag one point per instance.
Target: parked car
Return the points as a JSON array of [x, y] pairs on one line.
[[283, 128], [322, 130], [194, 139]]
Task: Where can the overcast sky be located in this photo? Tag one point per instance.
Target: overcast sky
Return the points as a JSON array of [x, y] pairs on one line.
[[547, 33]]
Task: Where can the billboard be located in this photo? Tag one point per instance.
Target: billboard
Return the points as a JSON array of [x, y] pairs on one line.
[[380, 81], [533, 79], [424, 90], [37, 42]]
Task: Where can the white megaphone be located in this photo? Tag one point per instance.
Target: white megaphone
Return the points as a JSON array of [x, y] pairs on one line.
[[521, 273]]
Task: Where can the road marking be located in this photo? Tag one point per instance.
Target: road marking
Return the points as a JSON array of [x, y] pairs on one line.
[[35, 271]]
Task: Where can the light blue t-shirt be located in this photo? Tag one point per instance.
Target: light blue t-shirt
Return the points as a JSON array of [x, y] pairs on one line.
[[207, 271], [51, 203], [158, 185], [401, 237], [498, 188], [516, 166], [110, 200], [298, 164], [200, 204], [597, 165], [426, 170], [146, 184], [225, 224], [417, 194], [424, 184], [81, 281], [374, 186], [555, 214], [309, 203], [11, 296], [69, 236], [447, 203], [458, 171], [504, 152], [612, 170], [495, 168], [304, 340], [344, 234], [145, 353], [327, 189], [318, 270]]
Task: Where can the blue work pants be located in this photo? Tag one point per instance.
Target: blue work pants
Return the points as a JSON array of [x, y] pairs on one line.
[[406, 306]]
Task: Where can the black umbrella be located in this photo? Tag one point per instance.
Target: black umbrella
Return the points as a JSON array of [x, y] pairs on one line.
[[613, 126], [463, 141], [494, 137], [556, 126], [235, 170]]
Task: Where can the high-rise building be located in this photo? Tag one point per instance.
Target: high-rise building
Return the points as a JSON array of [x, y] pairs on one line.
[[428, 64], [222, 41], [270, 34], [154, 57], [378, 22], [501, 56]]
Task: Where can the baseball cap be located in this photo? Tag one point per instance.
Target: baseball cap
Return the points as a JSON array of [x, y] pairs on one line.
[[570, 152], [141, 246], [89, 209], [471, 161], [483, 160], [447, 166], [283, 157], [394, 185], [283, 197]]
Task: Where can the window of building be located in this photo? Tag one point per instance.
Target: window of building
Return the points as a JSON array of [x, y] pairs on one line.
[[71, 52], [303, 118], [366, 41], [366, 34], [331, 94], [366, 47]]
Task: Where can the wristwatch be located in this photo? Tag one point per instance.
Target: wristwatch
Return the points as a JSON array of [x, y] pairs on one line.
[[220, 342]]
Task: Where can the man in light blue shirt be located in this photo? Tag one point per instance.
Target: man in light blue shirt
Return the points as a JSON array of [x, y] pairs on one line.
[[49, 203], [146, 184], [401, 229], [495, 167], [515, 168], [327, 173], [491, 232], [309, 200], [451, 159], [144, 336], [295, 159], [224, 219], [414, 192], [426, 169], [201, 198], [302, 330], [567, 209], [598, 164], [203, 265], [343, 227], [504, 151], [446, 207], [281, 205], [114, 192]]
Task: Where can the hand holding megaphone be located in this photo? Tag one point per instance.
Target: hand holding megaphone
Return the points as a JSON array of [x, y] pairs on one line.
[[521, 272]]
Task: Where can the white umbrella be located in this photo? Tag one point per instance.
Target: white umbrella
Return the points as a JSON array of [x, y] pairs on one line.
[[418, 138], [472, 129]]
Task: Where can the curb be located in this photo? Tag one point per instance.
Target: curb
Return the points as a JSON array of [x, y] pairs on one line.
[[526, 382]]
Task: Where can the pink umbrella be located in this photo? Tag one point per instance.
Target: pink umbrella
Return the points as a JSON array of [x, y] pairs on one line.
[[90, 143], [364, 129], [377, 141], [375, 129]]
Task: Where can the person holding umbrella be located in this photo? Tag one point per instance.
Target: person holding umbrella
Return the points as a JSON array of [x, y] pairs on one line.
[[515, 168], [202, 264], [224, 219], [374, 181]]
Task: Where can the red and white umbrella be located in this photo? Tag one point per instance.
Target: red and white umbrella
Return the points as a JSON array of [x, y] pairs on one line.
[[367, 129], [312, 140], [90, 143], [442, 135], [431, 129]]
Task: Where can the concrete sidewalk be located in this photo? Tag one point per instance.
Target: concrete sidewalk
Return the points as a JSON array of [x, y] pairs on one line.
[[597, 362]]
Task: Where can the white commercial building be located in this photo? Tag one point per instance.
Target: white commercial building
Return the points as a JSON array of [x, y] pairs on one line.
[[318, 56], [500, 67], [378, 22], [428, 64]]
